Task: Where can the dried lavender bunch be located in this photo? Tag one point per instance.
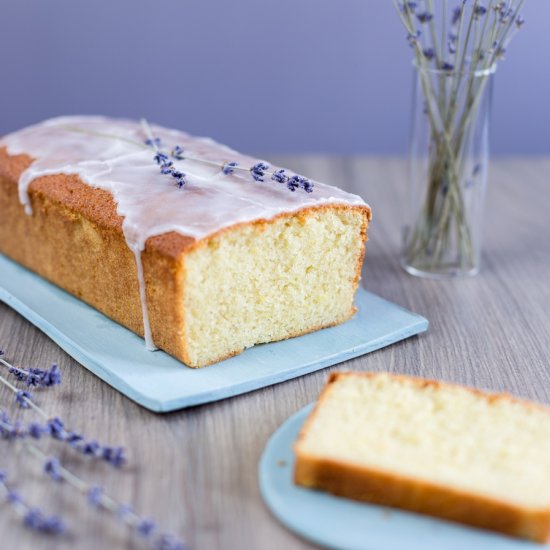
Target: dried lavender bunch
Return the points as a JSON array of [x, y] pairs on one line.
[[33, 518], [456, 49]]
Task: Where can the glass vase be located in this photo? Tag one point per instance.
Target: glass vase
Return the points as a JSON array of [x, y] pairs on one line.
[[449, 161]]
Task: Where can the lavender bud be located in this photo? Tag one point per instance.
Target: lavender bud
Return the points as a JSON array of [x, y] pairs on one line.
[[13, 497], [280, 176], [22, 398], [8, 430], [166, 168], [160, 158], [505, 15], [412, 39], [35, 520], [114, 456], [91, 448], [451, 46], [479, 11], [145, 527], [258, 170], [36, 430], [51, 377], [56, 428], [52, 467], [155, 142], [296, 182], [95, 496], [177, 153], [228, 167], [73, 439], [424, 17], [455, 18], [429, 53], [54, 525]]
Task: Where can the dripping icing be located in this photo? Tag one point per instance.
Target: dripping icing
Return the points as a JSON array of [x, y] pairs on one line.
[[107, 154], [147, 334]]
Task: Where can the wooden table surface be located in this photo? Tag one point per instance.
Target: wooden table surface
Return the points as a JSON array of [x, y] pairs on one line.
[[196, 470]]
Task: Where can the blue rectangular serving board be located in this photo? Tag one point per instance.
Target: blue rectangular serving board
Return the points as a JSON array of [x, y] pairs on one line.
[[161, 383]]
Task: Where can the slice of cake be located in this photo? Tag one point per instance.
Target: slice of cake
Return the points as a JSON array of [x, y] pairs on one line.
[[199, 249], [449, 451]]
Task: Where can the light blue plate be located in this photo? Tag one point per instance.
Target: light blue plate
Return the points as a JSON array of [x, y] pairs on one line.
[[161, 383], [347, 525]]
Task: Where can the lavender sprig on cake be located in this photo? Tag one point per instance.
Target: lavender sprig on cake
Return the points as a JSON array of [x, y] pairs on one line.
[[258, 171], [166, 165]]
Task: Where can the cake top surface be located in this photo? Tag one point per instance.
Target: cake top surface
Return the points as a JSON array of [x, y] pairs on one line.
[[120, 156]]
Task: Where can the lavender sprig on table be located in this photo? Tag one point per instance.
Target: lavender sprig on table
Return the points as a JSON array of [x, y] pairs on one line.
[[95, 495], [456, 48], [54, 426], [33, 376], [33, 518], [97, 498]]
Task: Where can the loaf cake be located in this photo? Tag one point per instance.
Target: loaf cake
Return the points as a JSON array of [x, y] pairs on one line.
[[199, 249], [449, 451]]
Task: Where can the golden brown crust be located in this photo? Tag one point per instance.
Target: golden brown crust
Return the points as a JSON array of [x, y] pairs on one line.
[[96, 205], [419, 496], [390, 489], [74, 239]]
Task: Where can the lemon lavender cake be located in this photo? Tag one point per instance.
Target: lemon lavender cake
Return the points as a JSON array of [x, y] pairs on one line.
[[199, 249], [440, 449]]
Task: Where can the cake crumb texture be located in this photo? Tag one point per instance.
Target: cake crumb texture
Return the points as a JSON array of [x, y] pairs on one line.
[[268, 281]]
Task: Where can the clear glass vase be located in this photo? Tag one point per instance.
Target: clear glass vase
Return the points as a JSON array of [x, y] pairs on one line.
[[449, 161]]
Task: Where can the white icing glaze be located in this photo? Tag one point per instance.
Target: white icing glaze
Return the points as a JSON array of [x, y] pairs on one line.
[[109, 154]]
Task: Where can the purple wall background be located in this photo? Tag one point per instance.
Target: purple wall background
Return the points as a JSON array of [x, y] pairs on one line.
[[272, 76]]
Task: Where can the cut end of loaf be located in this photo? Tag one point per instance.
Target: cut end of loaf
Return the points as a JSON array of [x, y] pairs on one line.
[[273, 280], [433, 448]]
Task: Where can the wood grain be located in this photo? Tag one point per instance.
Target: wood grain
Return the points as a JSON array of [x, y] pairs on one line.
[[196, 470]]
